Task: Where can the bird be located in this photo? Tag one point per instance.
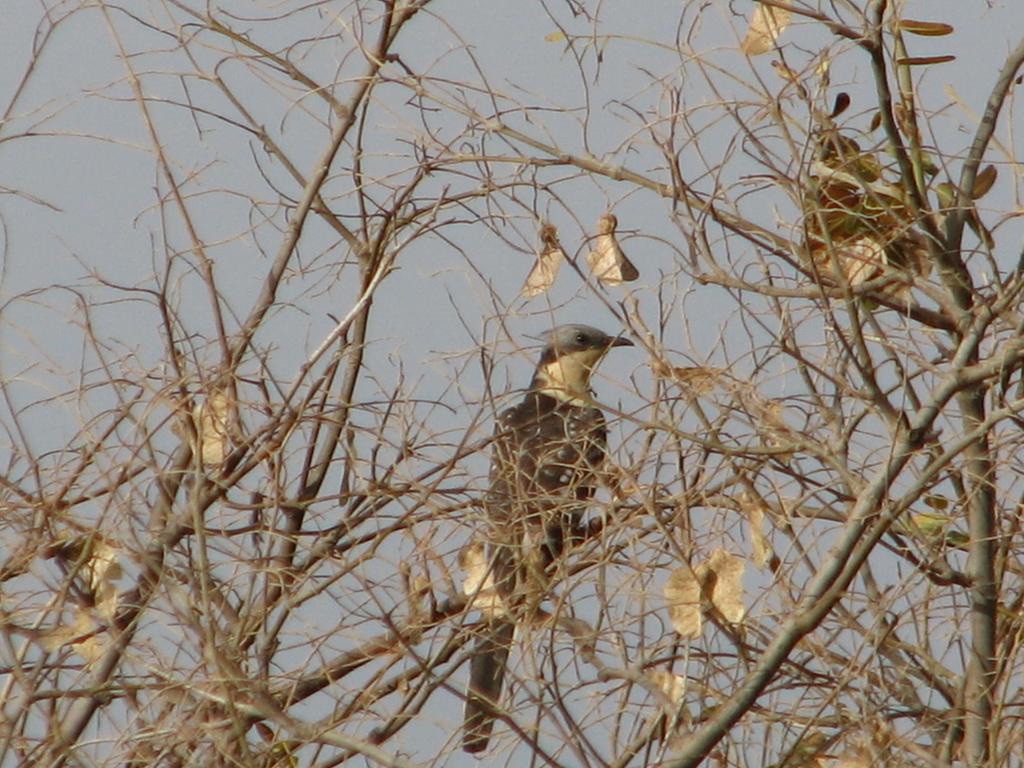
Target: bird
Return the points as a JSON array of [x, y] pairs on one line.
[[546, 458]]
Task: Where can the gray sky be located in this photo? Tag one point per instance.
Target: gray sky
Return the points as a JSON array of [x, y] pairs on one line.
[[80, 190]]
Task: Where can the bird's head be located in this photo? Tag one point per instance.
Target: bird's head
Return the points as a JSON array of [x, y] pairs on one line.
[[570, 356]]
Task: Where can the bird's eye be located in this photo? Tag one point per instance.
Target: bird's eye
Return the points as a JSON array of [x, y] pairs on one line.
[[580, 338]]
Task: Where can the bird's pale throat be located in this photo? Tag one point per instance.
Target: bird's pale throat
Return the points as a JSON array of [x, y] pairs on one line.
[[567, 377]]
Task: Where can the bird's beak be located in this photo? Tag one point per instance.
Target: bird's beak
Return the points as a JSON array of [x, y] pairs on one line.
[[619, 341]]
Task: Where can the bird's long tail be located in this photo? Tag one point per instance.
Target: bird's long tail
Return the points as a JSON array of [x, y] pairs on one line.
[[486, 676]]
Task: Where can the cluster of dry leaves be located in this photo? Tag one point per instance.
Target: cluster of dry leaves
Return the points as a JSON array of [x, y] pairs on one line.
[[606, 260], [94, 560], [859, 222], [858, 226]]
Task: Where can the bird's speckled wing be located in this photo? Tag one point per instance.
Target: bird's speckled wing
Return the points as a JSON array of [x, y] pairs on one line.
[[545, 458]]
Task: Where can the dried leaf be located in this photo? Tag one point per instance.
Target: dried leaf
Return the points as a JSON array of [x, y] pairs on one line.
[[92, 643], [607, 261], [102, 569], [754, 511], [727, 591], [876, 121], [549, 259], [672, 685], [87, 636], [984, 180], [924, 28], [720, 579], [417, 587], [557, 36], [478, 583], [862, 259], [84, 636], [766, 25], [697, 380], [920, 61], [841, 104], [211, 420], [474, 565], [682, 596]]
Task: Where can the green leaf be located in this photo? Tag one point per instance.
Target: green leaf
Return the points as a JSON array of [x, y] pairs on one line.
[[930, 524]]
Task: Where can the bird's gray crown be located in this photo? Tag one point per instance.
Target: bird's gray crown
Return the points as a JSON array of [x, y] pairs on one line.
[[577, 337]]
